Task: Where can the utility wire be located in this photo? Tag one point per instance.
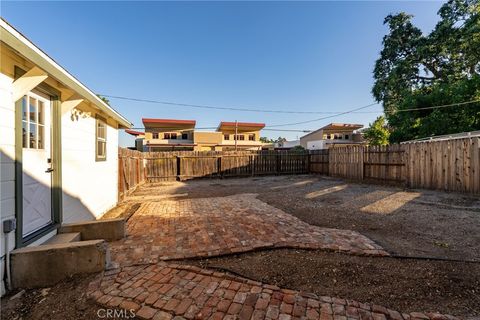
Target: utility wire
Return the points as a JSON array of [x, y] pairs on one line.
[[334, 114], [319, 119], [391, 112], [223, 108], [435, 107]]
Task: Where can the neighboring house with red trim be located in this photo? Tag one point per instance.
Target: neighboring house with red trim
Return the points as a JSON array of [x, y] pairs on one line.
[[333, 134], [180, 135]]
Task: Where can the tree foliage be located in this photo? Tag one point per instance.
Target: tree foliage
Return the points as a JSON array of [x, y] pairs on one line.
[[416, 71], [267, 140], [104, 99], [377, 134]]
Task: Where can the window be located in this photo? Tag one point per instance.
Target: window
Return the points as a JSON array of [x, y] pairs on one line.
[[166, 135], [226, 137], [239, 137], [251, 137], [184, 136], [101, 139], [173, 135], [155, 135], [329, 136], [347, 137], [33, 123]]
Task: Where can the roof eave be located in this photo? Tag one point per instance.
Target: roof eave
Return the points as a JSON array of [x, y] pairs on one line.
[[26, 48]]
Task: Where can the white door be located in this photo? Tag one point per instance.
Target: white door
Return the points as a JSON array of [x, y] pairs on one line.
[[37, 172]]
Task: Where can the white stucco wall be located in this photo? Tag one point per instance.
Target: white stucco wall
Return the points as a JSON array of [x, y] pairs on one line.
[[89, 187], [7, 165], [316, 145]]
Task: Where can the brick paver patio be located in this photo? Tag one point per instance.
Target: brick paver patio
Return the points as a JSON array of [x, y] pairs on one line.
[[176, 229], [166, 291]]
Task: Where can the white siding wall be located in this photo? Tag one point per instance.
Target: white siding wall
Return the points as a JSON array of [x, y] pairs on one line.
[[7, 164], [89, 187]]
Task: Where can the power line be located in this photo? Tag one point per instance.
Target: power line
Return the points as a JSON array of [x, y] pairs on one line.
[[333, 114], [435, 107], [323, 118], [391, 112], [222, 108]]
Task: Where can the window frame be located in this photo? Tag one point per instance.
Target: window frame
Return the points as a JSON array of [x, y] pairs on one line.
[[240, 137], [251, 137], [155, 135], [100, 120], [226, 137], [184, 136]]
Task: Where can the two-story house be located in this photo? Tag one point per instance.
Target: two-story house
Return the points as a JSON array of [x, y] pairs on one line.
[[180, 135], [331, 135]]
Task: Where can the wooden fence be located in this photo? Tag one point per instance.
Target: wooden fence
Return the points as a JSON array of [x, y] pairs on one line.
[[450, 165], [161, 166], [131, 171]]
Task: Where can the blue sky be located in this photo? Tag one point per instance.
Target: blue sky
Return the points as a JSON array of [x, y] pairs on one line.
[[304, 56]]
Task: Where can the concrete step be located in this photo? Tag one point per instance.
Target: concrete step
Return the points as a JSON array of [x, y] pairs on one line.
[[107, 229], [45, 265], [64, 238]]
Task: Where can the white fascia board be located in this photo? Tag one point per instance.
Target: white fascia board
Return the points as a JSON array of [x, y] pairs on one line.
[[26, 48]]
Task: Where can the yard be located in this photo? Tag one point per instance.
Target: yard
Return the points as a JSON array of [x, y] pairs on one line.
[[303, 245]]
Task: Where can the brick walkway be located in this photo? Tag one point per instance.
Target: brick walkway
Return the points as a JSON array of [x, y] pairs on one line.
[[176, 229], [165, 291]]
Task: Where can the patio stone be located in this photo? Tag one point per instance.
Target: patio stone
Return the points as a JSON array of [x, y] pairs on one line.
[[216, 304], [177, 229]]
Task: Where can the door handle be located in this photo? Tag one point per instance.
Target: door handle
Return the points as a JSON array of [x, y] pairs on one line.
[[49, 170]]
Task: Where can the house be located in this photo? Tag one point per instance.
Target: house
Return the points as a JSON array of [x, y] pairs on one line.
[[286, 145], [331, 135], [240, 135], [180, 135], [58, 146]]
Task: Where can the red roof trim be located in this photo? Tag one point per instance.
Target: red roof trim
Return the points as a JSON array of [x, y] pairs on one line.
[[134, 133], [171, 144], [171, 121], [243, 124]]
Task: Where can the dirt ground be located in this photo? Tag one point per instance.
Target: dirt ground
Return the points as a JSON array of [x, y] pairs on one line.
[[400, 284], [64, 301], [405, 222]]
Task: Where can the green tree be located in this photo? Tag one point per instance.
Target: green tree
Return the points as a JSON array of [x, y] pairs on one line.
[[266, 140], [417, 71], [377, 134], [104, 99]]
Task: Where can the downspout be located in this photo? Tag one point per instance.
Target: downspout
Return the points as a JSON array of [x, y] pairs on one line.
[[8, 226]]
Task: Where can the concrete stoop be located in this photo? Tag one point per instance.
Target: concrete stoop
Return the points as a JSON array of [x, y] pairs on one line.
[[78, 248]]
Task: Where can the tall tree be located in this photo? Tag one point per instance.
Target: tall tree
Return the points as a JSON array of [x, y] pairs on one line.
[[416, 71], [377, 133]]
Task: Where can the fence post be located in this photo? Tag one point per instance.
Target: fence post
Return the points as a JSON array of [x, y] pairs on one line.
[[277, 163], [307, 165], [179, 166], [219, 166], [252, 164]]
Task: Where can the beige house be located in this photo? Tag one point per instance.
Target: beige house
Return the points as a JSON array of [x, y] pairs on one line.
[[180, 135], [58, 147], [331, 135]]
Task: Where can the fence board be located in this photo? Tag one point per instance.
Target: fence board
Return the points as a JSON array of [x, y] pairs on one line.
[[450, 165]]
